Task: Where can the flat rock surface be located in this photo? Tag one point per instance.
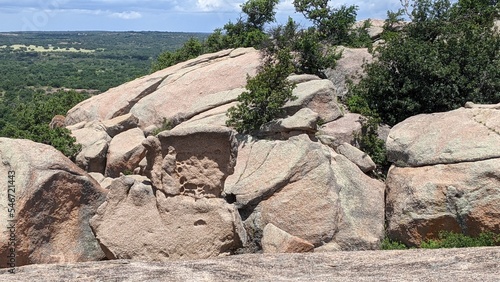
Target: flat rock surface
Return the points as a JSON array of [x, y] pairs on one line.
[[470, 264]]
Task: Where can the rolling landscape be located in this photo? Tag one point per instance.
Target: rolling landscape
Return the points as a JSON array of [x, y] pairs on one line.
[[339, 150]]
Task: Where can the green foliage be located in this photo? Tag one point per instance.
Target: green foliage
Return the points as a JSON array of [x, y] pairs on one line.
[[166, 125], [191, 49], [266, 94], [247, 31], [334, 24], [456, 240], [311, 56], [259, 12], [448, 55], [368, 140], [388, 244], [29, 119]]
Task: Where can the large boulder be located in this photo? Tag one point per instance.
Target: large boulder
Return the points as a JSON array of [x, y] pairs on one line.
[[307, 190], [139, 223], [348, 68], [462, 135], [446, 175], [177, 210], [342, 130], [317, 95], [53, 201]]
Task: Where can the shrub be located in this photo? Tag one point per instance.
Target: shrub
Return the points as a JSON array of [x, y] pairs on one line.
[[388, 244], [457, 240], [446, 56], [266, 94]]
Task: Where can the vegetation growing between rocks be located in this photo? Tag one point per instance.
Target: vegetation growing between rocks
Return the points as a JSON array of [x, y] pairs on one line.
[[447, 55], [266, 94], [448, 239]]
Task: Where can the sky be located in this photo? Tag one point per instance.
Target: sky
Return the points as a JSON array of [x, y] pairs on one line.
[[150, 15]]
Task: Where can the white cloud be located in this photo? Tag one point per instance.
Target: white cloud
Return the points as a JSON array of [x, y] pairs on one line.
[[218, 5], [129, 15]]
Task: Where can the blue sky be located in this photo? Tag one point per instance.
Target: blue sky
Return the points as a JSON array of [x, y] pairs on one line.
[[148, 15]]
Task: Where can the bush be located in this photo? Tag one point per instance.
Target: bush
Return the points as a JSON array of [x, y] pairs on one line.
[[456, 240], [335, 25], [388, 244], [448, 55], [266, 94]]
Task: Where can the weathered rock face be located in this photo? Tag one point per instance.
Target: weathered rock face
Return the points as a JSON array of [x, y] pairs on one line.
[[205, 157], [461, 264], [342, 130], [362, 220], [317, 95], [138, 222], [447, 178], [463, 135], [358, 157], [175, 93], [176, 213], [54, 200], [296, 184]]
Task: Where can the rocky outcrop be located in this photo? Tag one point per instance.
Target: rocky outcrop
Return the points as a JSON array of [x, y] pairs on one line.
[[53, 201], [446, 178], [95, 142], [177, 211], [467, 265], [317, 95], [303, 121], [174, 92], [297, 186], [358, 157]]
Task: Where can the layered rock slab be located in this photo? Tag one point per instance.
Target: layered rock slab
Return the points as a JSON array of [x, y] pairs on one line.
[[54, 201], [217, 82], [462, 135], [446, 175]]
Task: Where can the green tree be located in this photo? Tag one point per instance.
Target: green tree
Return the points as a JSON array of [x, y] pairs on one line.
[[266, 94], [333, 24], [30, 119], [311, 56], [448, 55], [191, 49], [260, 12]]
